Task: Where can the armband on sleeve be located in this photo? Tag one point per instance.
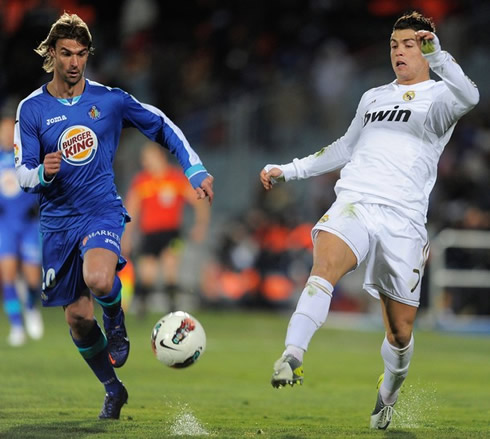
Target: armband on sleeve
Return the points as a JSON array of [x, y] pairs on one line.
[[196, 175], [42, 178]]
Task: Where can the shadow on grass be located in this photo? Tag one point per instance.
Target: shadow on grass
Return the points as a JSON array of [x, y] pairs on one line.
[[58, 430]]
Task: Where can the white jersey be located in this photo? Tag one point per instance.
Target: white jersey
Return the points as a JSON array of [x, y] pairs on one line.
[[390, 152]]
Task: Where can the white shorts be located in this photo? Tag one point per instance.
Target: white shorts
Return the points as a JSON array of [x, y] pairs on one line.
[[395, 246]]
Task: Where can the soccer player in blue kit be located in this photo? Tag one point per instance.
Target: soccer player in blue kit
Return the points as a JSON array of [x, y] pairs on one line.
[[66, 136], [20, 252]]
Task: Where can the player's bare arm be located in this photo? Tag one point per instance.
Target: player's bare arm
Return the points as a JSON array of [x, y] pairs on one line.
[[52, 164]]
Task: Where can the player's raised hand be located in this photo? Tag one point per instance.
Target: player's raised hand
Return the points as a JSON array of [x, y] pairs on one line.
[[52, 164], [206, 189], [429, 43], [270, 175]]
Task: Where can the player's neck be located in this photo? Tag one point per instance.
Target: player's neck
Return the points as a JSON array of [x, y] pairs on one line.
[[64, 90], [413, 80]]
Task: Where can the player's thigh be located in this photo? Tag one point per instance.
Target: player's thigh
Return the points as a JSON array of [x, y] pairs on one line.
[[332, 257], [100, 249], [341, 240], [397, 256]]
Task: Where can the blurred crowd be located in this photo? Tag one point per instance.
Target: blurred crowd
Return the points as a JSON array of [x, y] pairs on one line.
[[252, 82]]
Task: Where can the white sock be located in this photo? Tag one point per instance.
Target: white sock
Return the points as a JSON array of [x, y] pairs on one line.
[[295, 351], [311, 312], [396, 362]]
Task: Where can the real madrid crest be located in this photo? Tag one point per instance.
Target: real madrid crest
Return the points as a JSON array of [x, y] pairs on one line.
[[409, 96]]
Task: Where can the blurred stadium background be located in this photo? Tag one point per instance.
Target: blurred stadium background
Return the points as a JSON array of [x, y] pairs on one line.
[[252, 82]]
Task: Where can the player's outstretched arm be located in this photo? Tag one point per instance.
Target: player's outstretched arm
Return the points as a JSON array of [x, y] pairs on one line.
[[328, 159]]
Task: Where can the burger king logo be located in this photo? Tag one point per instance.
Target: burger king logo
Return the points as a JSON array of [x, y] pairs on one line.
[[78, 144]]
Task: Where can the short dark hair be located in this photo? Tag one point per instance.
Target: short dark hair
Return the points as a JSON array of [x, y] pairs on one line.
[[68, 26], [414, 20]]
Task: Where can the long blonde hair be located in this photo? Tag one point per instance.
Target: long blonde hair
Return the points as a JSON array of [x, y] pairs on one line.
[[69, 26]]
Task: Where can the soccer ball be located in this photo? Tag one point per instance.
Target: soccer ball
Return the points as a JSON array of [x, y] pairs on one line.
[[178, 339]]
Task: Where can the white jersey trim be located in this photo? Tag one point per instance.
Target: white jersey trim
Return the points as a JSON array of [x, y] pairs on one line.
[[28, 178]]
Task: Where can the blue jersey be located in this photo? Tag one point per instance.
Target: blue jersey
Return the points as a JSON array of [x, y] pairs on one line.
[[87, 131], [16, 207]]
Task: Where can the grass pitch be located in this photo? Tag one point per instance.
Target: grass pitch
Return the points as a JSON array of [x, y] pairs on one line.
[[47, 390]]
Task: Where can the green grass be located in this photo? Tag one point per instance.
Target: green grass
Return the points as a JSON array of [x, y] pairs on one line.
[[47, 391]]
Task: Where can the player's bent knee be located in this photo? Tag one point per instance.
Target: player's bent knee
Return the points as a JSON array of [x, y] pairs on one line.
[[400, 336], [331, 267], [100, 282]]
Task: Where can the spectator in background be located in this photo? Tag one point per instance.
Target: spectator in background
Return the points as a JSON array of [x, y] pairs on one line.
[[332, 76], [156, 200], [20, 252]]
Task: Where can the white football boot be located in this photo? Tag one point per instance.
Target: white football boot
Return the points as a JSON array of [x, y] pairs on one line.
[[382, 413], [34, 323], [17, 336], [287, 370]]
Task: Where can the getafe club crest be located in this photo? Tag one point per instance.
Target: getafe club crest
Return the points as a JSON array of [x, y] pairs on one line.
[[94, 113], [78, 144]]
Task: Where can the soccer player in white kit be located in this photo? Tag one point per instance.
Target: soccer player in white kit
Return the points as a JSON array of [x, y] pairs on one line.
[[389, 159]]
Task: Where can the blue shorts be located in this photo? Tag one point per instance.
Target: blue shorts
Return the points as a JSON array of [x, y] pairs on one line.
[[63, 254], [22, 241]]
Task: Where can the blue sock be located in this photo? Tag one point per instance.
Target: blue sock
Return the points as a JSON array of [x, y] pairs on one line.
[[111, 304], [32, 297], [12, 305], [93, 348]]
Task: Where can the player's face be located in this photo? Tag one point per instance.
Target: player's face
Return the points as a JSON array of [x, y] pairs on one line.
[[70, 58], [407, 60]]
